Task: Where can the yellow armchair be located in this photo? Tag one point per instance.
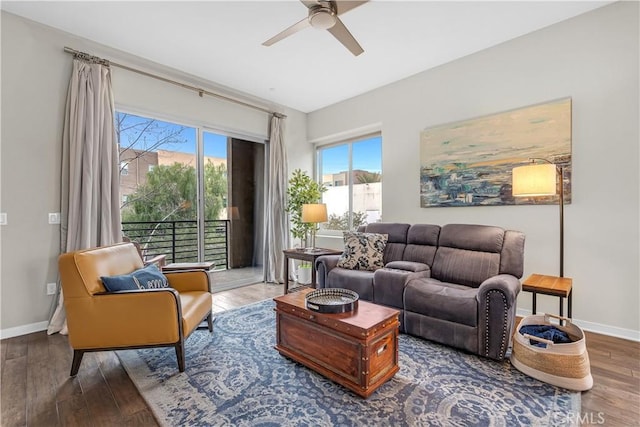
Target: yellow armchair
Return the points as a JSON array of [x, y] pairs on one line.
[[100, 320]]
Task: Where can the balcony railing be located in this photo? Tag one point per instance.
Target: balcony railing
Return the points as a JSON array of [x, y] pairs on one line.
[[178, 240]]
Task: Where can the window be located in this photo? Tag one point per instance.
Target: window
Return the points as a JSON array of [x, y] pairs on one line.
[[150, 168], [124, 168], [352, 173]]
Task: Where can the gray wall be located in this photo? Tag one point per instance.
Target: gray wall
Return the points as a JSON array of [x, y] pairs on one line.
[[592, 58], [35, 74]]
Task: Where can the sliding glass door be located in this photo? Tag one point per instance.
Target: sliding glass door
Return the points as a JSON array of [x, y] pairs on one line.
[[192, 194]]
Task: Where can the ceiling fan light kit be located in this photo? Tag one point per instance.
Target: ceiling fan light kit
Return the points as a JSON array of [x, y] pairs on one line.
[[322, 19], [323, 15]]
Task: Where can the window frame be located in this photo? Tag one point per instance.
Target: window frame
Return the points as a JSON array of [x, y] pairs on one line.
[[124, 167], [318, 171]]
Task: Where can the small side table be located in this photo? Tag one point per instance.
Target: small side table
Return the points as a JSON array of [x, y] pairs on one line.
[[178, 266], [205, 266], [550, 285], [304, 255]]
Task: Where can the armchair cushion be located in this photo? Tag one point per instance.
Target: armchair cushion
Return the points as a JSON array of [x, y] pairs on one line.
[[363, 251], [148, 277]]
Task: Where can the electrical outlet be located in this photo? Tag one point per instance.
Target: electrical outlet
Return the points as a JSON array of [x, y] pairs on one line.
[[51, 288], [54, 218]]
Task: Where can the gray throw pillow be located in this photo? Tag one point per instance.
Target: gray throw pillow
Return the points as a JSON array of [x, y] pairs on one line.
[[363, 251]]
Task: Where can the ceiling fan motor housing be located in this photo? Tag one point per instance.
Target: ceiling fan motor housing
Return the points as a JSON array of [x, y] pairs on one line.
[[322, 17]]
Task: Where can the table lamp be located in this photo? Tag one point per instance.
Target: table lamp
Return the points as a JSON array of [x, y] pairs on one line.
[[535, 180], [233, 213], [314, 213]]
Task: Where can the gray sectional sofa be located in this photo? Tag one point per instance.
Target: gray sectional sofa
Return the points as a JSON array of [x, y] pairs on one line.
[[456, 284]]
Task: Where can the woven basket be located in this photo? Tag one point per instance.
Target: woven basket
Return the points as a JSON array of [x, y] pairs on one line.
[[562, 365]]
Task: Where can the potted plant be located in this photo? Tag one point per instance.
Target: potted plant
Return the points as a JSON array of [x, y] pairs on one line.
[[302, 190], [303, 273]]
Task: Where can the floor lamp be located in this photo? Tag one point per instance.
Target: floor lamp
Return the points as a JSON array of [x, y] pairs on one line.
[[314, 213], [535, 180]]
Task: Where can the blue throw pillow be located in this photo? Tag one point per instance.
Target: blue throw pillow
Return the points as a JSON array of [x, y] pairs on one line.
[[149, 277], [119, 283]]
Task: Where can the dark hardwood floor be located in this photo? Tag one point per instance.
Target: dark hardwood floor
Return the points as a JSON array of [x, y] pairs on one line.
[[36, 389]]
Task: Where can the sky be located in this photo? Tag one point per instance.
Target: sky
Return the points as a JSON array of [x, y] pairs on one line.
[[367, 154], [215, 145]]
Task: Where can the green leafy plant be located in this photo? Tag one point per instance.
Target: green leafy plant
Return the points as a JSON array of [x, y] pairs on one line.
[[341, 222], [302, 190]]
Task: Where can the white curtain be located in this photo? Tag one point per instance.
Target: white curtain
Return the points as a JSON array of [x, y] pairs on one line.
[[277, 220], [90, 201]]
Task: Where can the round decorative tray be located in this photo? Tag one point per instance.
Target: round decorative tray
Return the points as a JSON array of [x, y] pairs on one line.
[[332, 300]]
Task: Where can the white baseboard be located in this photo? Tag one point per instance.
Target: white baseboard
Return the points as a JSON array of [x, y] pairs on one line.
[[628, 334], [23, 330]]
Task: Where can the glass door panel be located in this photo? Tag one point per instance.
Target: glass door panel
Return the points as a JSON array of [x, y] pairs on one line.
[[217, 213], [234, 208], [158, 186]]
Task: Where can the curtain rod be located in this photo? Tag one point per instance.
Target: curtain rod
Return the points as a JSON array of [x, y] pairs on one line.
[[200, 91]]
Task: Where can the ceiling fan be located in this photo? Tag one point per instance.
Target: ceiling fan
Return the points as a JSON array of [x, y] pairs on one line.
[[323, 15]]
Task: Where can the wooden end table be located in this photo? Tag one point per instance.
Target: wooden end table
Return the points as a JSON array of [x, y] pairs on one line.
[[550, 285], [305, 255]]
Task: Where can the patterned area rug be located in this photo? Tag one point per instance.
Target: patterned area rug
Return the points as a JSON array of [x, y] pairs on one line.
[[235, 377]]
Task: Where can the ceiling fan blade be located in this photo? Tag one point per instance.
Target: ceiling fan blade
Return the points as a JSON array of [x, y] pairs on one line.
[[346, 5], [309, 3], [289, 31], [343, 35]]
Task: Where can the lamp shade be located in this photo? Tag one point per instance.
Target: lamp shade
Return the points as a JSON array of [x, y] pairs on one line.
[[314, 212], [534, 180], [233, 212]]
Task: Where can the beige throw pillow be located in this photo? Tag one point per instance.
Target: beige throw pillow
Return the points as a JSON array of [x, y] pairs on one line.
[[363, 251]]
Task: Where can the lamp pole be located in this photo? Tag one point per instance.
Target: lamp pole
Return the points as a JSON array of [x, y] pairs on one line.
[[560, 173]]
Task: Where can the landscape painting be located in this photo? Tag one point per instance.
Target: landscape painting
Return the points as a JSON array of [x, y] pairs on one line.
[[469, 163]]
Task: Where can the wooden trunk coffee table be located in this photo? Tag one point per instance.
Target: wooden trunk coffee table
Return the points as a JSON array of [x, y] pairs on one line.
[[358, 350]]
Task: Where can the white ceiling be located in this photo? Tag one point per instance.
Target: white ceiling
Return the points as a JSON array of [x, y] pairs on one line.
[[221, 41]]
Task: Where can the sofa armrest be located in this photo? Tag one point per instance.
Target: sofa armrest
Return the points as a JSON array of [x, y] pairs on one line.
[[507, 284], [408, 266], [324, 264], [125, 318], [497, 300], [188, 280]]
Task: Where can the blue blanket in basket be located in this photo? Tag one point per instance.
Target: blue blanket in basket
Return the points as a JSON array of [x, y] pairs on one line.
[[548, 332]]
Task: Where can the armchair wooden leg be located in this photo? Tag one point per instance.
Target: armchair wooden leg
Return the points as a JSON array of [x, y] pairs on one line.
[[77, 359], [210, 321], [180, 355]]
